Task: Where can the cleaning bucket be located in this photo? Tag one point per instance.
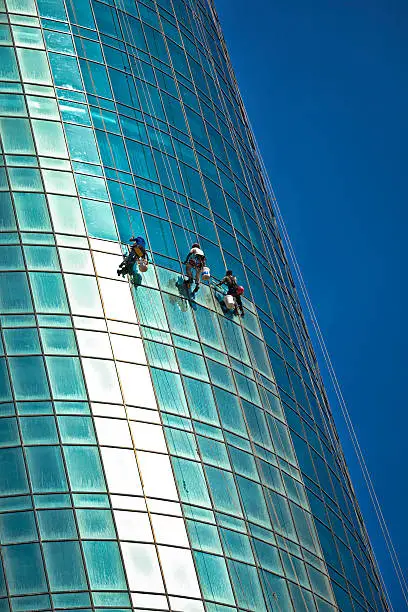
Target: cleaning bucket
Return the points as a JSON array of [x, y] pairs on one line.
[[229, 302], [205, 275], [142, 265]]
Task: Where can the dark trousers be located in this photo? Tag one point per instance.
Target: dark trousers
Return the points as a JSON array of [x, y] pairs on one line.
[[128, 261]]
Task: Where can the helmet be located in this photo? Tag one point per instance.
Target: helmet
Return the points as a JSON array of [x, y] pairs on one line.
[[240, 290], [195, 245]]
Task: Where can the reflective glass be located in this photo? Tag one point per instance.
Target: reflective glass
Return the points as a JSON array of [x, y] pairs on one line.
[[64, 566], [24, 569], [104, 565]]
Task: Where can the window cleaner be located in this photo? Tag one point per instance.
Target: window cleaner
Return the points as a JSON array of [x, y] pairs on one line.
[[137, 253], [195, 260], [233, 298]]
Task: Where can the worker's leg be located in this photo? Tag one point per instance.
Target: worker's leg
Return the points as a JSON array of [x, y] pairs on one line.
[[198, 271], [189, 272], [239, 302], [127, 263]]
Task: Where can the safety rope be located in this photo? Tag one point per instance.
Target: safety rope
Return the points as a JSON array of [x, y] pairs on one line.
[[342, 403], [150, 107]]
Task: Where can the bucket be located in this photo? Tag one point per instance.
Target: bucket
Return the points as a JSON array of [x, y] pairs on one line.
[[239, 290], [143, 265], [205, 275], [229, 302]]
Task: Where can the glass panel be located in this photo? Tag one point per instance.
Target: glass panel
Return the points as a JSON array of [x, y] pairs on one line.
[[48, 292], [136, 385], [17, 527], [64, 565], [179, 571], [24, 569], [29, 378], [66, 214], [32, 213], [66, 378], [142, 567], [104, 566], [16, 136], [46, 469], [133, 526], [102, 381], [34, 66], [214, 578], [84, 468], [49, 138], [96, 524], [13, 478], [83, 295], [57, 524]]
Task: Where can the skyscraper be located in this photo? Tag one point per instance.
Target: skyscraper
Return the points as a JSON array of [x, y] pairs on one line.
[[157, 452]]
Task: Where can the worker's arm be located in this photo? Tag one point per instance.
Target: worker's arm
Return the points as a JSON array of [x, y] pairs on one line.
[[187, 258]]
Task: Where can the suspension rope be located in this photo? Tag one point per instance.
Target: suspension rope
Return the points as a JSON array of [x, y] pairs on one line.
[[150, 107]]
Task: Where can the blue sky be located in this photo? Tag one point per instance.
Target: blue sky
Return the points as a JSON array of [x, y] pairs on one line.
[[326, 88]]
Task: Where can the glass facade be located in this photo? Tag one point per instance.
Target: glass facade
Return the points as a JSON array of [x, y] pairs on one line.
[[156, 452]]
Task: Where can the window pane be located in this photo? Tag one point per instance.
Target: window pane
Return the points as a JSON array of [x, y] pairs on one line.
[[13, 478], [34, 66], [214, 578], [32, 213], [66, 378], [84, 468], [14, 293], [49, 138], [142, 567], [66, 214], [48, 292], [64, 565], [96, 524], [104, 566], [102, 381], [16, 136], [57, 524], [24, 569], [17, 527], [46, 469], [29, 379], [83, 295]]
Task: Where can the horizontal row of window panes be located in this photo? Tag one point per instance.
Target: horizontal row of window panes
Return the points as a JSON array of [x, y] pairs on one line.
[[23, 120]]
